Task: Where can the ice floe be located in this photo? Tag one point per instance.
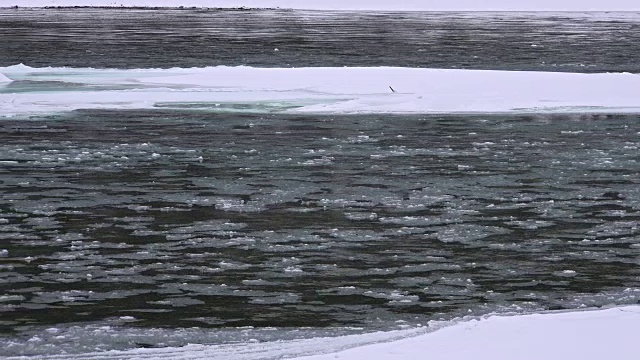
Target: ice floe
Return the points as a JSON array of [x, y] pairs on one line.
[[317, 90]]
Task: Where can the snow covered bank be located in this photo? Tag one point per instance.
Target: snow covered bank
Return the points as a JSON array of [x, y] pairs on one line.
[[584, 335], [316, 90], [409, 5]]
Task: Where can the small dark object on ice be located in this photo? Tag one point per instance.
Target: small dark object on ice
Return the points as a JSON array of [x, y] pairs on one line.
[[392, 89]]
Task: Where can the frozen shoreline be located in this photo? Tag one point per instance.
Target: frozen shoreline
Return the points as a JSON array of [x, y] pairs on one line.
[[401, 5], [584, 335], [589, 334]]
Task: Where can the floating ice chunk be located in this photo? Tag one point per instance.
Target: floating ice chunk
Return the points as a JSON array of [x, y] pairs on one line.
[[321, 90]]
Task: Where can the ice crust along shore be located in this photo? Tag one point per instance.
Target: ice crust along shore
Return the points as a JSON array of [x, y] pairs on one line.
[[401, 5], [586, 335], [316, 90]]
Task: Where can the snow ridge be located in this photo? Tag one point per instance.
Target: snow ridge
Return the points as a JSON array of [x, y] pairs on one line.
[[4, 79]]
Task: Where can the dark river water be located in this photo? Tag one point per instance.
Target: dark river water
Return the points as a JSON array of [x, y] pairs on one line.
[[572, 42], [122, 229]]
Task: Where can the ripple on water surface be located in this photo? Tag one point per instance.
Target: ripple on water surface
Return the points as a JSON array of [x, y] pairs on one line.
[[178, 220]]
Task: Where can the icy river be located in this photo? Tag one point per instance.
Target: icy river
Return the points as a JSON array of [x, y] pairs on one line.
[[123, 228]]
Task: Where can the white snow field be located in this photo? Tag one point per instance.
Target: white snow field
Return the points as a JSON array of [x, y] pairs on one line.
[[583, 335], [316, 90], [403, 5]]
